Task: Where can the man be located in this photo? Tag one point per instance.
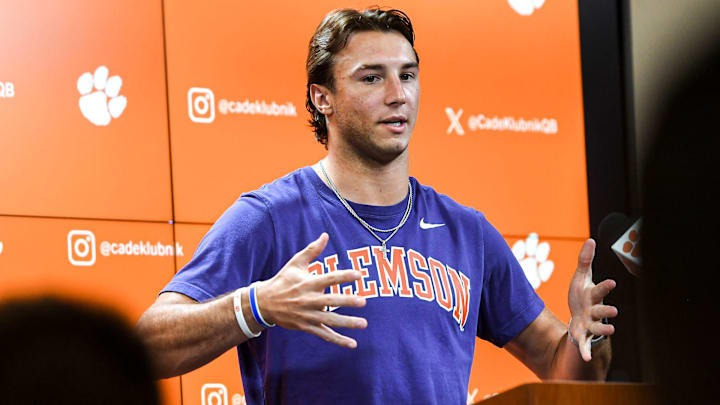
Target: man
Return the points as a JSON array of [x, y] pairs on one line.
[[428, 275]]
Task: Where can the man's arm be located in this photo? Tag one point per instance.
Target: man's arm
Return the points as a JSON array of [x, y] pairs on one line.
[[544, 345], [545, 349], [182, 334]]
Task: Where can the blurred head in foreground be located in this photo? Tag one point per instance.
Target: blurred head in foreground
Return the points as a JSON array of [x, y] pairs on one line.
[[681, 221], [54, 351]]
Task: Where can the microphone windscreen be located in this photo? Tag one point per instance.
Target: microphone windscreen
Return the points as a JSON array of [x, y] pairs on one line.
[[612, 227]]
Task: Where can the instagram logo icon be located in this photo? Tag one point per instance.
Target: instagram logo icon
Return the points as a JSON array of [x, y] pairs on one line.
[[214, 394], [201, 105], [81, 248]]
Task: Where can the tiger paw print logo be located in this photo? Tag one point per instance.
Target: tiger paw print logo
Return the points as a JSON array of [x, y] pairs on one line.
[[533, 258], [525, 7], [104, 103]]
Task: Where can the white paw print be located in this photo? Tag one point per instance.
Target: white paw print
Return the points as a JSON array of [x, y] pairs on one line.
[[533, 258], [95, 106], [525, 7]]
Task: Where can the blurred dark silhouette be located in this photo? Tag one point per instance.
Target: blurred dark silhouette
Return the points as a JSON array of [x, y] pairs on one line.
[[681, 235], [55, 351]]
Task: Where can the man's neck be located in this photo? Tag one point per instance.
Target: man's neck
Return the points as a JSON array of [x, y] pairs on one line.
[[367, 183]]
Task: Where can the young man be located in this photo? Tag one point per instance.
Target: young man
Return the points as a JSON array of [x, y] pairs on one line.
[[428, 275]]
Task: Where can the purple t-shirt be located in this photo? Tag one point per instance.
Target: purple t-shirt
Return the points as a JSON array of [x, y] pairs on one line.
[[438, 287]]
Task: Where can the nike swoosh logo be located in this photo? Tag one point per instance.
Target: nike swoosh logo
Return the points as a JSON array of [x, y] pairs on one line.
[[425, 225]]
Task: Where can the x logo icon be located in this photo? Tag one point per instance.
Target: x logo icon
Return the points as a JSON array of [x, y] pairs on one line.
[[454, 121]]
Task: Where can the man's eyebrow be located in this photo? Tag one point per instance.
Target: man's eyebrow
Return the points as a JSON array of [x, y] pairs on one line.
[[370, 67], [409, 65]]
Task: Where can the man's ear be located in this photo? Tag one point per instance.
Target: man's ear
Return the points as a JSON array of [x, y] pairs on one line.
[[321, 98]]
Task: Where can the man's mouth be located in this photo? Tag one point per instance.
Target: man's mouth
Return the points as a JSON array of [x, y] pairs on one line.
[[395, 123]]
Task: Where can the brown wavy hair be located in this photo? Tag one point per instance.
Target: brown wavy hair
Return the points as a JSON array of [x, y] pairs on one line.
[[331, 37]]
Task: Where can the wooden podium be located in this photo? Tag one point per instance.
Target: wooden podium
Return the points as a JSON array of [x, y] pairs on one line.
[[572, 393]]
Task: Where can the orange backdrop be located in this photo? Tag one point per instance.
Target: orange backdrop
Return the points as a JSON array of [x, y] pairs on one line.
[[156, 154]]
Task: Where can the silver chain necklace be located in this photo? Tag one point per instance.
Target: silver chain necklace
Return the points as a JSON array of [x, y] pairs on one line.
[[367, 226]]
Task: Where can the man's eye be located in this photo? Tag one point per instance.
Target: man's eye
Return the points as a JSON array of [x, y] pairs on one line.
[[370, 79], [407, 76]]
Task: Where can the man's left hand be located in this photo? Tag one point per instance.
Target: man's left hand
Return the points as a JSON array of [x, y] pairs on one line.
[[585, 300]]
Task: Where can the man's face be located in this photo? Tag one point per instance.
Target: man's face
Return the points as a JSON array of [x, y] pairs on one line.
[[376, 95]]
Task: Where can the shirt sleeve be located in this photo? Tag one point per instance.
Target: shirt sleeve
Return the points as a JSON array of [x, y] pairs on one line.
[[508, 303], [234, 253]]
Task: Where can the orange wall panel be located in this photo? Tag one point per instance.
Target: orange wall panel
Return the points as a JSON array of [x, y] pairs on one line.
[[84, 257], [237, 51], [56, 157], [481, 60]]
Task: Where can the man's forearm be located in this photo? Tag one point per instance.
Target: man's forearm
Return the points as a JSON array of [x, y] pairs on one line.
[[568, 364], [182, 336]]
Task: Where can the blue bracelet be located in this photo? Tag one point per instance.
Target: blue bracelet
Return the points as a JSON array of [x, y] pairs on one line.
[[256, 310]]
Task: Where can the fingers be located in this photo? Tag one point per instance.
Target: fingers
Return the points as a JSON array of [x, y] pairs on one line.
[[601, 290], [334, 320], [582, 339], [339, 300], [335, 277], [585, 340], [312, 250], [603, 311], [320, 301], [585, 258], [331, 336], [585, 349], [601, 329]]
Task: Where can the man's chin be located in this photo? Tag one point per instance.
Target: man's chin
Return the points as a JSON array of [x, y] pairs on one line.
[[379, 148], [390, 151]]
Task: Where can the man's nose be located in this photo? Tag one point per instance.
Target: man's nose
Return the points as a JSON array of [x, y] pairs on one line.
[[395, 92]]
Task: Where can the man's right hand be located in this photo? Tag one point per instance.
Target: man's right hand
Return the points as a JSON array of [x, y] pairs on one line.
[[182, 334], [295, 299]]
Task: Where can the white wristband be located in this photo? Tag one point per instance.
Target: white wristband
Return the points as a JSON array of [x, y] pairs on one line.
[[237, 307]]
